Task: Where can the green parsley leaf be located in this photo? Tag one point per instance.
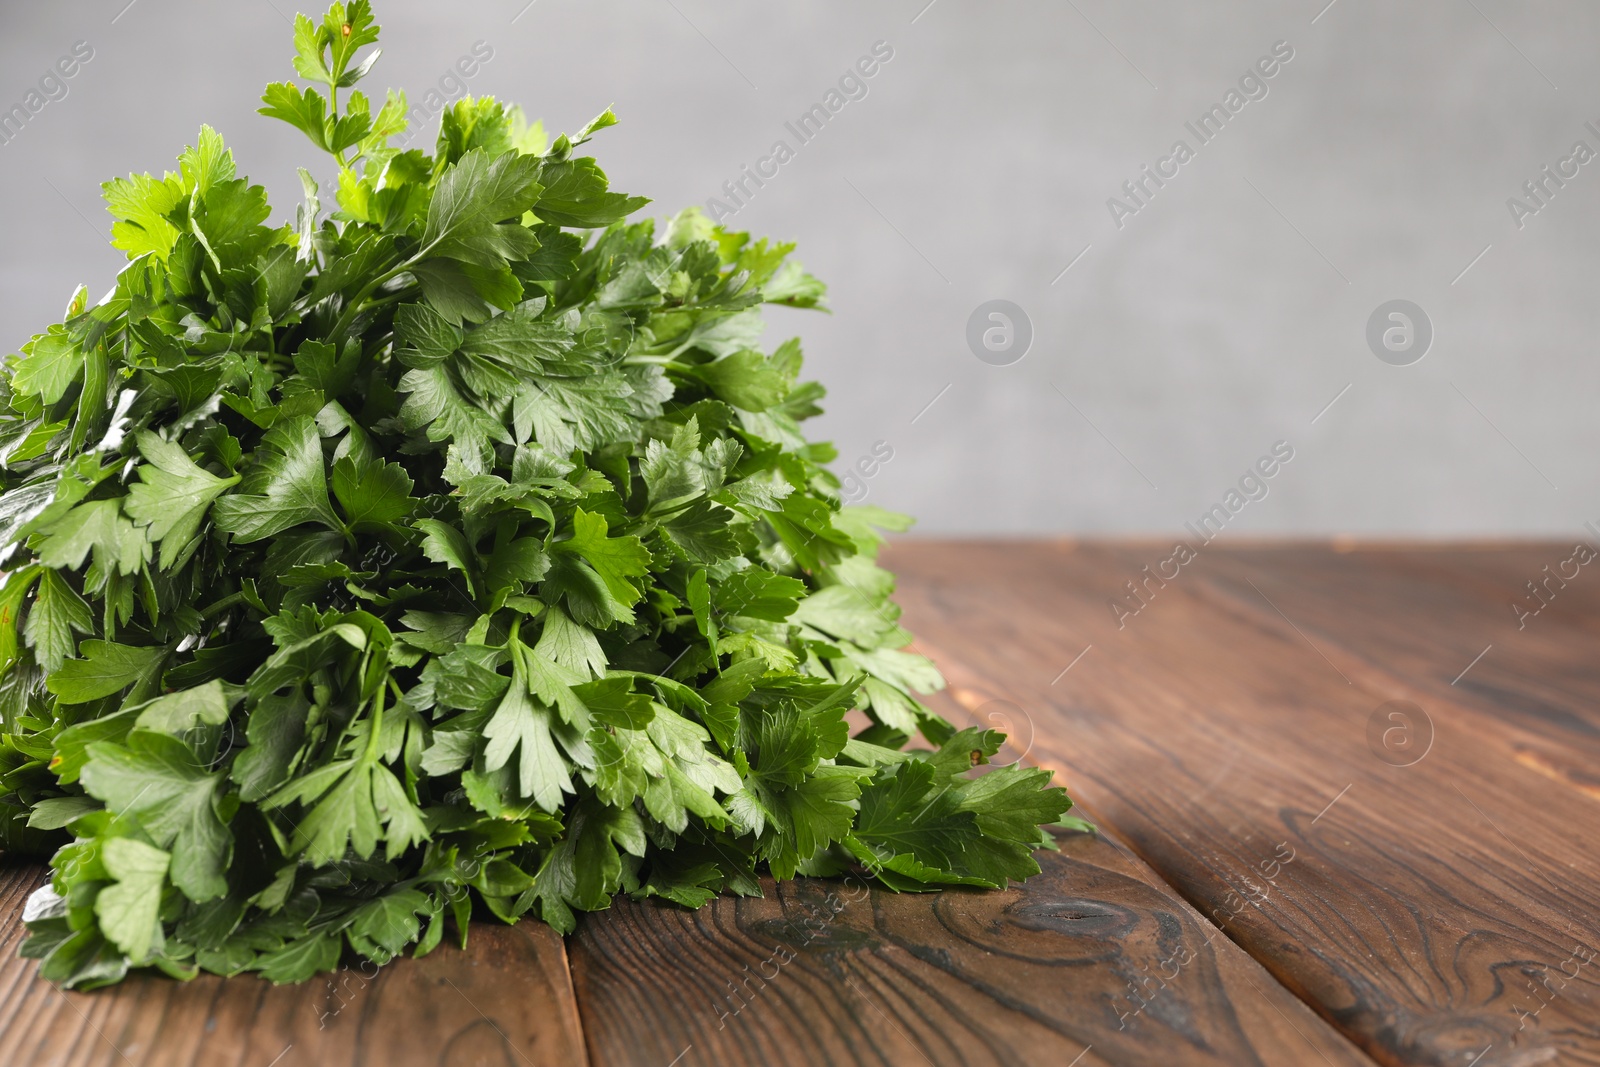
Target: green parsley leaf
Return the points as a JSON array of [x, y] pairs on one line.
[[156, 780], [171, 496], [288, 486], [58, 611], [129, 910], [106, 668]]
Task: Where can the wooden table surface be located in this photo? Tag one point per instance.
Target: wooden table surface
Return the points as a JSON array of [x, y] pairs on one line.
[[1349, 810]]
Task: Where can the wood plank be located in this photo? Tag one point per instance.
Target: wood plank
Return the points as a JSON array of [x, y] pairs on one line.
[[823, 971], [506, 1000], [1430, 908], [1530, 677]]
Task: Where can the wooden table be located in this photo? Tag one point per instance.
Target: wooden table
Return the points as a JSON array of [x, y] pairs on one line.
[[1349, 805]]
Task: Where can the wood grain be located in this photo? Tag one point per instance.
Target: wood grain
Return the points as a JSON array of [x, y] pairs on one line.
[[1436, 903], [506, 1001], [1069, 965], [1429, 910]]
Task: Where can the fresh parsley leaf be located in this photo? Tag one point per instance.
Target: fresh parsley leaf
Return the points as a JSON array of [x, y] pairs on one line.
[[171, 496], [287, 487], [106, 668], [57, 613], [157, 780], [129, 909]]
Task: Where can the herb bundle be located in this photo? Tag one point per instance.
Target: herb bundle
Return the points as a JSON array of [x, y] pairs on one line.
[[460, 549]]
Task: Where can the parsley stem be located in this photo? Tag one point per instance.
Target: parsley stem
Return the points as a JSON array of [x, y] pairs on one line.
[[372, 349], [375, 726], [217, 605], [395, 297], [358, 302], [668, 361], [333, 116]]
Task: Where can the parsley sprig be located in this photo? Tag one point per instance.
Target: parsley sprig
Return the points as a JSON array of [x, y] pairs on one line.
[[459, 549]]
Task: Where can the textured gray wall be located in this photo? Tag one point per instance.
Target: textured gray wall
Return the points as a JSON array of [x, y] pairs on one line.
[[1219, 318]]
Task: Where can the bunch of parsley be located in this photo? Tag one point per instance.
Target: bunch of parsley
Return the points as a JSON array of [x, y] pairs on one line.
[[459, 549]]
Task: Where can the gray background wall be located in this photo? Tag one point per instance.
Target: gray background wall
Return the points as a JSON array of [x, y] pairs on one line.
[[1221, 318]]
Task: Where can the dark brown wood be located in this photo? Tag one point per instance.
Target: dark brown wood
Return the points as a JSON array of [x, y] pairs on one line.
[[1067, 969], [506, 1001], [1439, 913], [1441, 910]]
